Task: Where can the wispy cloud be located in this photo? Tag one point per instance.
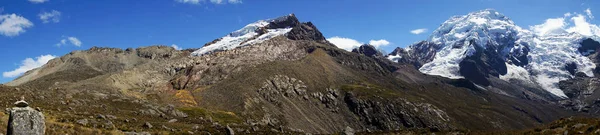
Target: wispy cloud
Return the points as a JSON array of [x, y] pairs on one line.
[[176, 47], [13, 25], [70, 40], [211, 1], [588, 12], [418, 31], [28, 64], [38, 1], [53, 16]]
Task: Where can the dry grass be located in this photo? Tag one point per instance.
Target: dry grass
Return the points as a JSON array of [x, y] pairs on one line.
[[186, 98]]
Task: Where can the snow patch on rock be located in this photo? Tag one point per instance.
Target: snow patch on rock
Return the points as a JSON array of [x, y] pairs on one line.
[[243, 37]]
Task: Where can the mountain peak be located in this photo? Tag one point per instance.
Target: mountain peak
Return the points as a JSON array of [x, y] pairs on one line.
[[490, 42], [463, 36], [367, 50], [263, 30], [483, 24]]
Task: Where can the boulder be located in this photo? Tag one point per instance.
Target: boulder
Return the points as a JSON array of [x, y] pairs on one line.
[[24, 120], [348, 131]]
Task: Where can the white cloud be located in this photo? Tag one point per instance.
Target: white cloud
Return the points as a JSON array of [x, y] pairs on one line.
[[72, 40], [38, 1], [176, 47], [211, 1], [344, 43], [552, 25], [583, 27], [53, 16], [571, 23], [28, 64], [13, 25], [379, 43], [349, 44], [588, 12], [418, 31]]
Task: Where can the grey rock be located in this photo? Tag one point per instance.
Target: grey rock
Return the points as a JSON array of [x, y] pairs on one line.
[[172, 120], [21, 103], [109, 125], [165, 127], [171, 110], [280, 86], [25, 121], [348, 131], [83, 122], [579, 125], [230, 131], [100, 116], [147, 125]]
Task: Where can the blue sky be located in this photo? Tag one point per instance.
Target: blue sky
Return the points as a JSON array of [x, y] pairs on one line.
[[135, 23]]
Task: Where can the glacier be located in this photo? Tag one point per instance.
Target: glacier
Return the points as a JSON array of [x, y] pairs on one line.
[[485, 27], [551, 46]]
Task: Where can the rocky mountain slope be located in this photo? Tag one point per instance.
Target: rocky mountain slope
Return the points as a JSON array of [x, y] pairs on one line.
[[273, 76]]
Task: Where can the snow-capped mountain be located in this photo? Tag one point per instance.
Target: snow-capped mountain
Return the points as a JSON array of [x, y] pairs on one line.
[[261, 31], [486, 43], [250, 34]]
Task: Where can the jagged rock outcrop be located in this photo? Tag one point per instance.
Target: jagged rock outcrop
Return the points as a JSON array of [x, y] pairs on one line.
[[486, 62], [300, 31], [24, 120], [583, 92], [367, 50], [397, 114], [591, 49], [282, 85], [417, 54]]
